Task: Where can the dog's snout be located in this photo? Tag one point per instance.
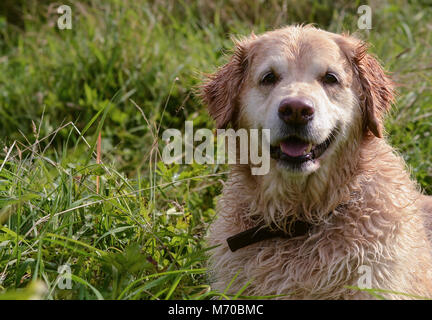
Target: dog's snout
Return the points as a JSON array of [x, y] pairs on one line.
[[296, 110]]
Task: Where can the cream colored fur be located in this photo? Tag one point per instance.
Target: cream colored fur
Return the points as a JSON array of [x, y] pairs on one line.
[[364, 207]]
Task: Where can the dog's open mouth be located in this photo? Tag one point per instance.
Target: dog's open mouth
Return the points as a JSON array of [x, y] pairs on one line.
[[295, 150]]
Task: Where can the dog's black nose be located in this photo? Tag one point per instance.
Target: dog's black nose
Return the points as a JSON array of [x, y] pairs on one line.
[[296, 110]]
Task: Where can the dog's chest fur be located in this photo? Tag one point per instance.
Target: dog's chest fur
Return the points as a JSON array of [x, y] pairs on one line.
[[379, 228]]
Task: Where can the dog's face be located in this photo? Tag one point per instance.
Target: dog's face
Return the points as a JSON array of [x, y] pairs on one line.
[[313, 89]]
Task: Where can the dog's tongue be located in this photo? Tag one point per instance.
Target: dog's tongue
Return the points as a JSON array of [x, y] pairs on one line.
[[294, 147]]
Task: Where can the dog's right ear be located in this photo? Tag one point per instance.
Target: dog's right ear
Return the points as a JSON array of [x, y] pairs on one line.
[[221, 90]]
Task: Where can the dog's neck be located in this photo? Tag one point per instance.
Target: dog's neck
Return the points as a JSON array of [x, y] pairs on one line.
[[282, 198]]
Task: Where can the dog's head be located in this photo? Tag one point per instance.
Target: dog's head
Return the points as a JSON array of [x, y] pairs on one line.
[[314, 90]]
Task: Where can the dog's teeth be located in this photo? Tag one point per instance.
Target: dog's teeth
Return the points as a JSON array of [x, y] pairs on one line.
[[309, 148]]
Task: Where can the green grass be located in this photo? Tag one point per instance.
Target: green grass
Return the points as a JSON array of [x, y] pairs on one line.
[[129, 69]]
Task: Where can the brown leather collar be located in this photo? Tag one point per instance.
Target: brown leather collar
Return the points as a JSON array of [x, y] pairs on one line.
[[260, 233]]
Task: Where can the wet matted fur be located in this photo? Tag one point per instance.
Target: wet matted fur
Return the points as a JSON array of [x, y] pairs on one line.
[[358, 196]]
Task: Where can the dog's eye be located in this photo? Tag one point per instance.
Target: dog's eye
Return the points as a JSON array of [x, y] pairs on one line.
[[269, 78], [330, 78]]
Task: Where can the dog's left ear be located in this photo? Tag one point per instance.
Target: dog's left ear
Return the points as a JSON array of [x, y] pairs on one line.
[[221, 90], [377, 89]]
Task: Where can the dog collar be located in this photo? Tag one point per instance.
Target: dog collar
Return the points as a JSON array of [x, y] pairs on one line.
[[260, 233]]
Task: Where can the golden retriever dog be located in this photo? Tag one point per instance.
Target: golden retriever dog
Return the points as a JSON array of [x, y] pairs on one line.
[[338, 208]]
